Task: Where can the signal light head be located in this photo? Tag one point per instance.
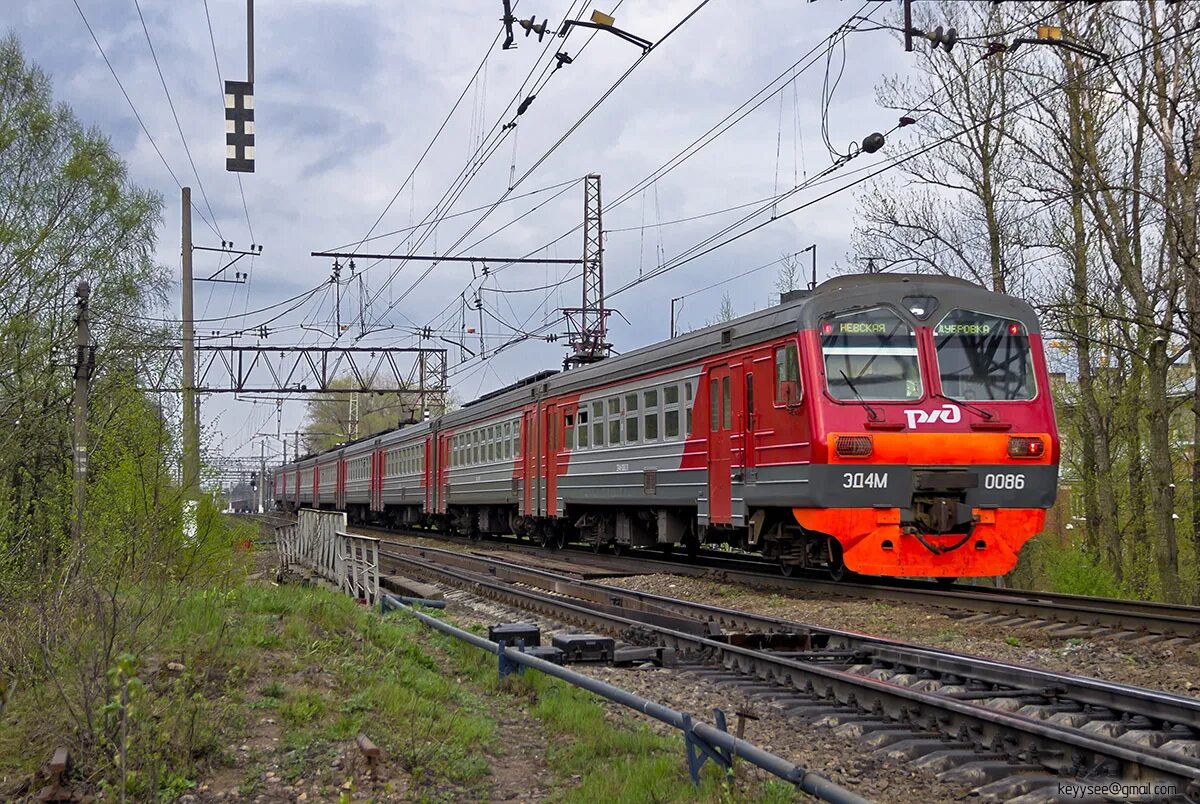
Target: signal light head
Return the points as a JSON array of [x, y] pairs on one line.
[[1026, 447], [856, 446], [827, 328]]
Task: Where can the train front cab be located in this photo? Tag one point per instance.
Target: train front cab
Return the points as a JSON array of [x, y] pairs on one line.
[[935, 449]]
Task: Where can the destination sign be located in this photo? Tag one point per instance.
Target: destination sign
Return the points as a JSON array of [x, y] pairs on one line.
[[961, 322], [858, 327], [963, 328], [876, 322]]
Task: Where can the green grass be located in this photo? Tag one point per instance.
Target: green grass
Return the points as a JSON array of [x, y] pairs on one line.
[[615, 759], [314, 669]]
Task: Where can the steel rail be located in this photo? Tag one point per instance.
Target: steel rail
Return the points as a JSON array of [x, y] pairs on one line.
[[686, 615], [1059, 748], [1112, 617], [806, 780], [1131, 616]]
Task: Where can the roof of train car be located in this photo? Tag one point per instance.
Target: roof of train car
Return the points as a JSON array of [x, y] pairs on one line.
[[833, 295], [837, 294]]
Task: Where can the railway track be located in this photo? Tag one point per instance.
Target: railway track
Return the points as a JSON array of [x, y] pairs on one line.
[[1137, 622], [1006, 730], [1133, 621]]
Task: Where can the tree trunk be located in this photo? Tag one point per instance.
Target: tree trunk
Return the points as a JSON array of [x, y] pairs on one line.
[[1162, 476], [1100, 504]]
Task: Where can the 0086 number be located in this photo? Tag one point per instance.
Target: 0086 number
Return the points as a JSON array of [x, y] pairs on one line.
[[1004, 481]]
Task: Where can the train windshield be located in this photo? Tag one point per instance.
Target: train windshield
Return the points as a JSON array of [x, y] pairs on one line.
[[983, 356], [870, 354]]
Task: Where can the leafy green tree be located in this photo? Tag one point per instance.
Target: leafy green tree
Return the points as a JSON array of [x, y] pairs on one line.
[[327, 420], [67, 213], [80, 616]]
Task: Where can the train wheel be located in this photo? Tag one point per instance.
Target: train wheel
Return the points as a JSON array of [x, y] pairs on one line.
[[668, 549], [620, 549], [597, 546], [548, 538], [945, 581], [787, 570]]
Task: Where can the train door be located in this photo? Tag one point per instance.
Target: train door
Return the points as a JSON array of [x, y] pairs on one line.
[[529, 463], [720, 447], [749, 418], [377, 467], [316, 486], [550, 442], [437, 472], [339, 497]]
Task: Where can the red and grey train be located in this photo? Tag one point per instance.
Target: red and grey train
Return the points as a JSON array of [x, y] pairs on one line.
[[894, 425]]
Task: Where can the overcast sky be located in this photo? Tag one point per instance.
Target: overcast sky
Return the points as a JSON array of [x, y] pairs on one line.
[[348, 94]]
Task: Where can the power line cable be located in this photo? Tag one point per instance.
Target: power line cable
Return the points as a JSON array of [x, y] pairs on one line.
[[178, 126], [454, 215], [895, 162], [433, 140], [900, 159], [221, 87], [136, 114], [726, 123], [474, 164], [552, 148]]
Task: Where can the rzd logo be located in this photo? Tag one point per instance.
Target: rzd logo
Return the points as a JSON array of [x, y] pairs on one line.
[[950, 414]]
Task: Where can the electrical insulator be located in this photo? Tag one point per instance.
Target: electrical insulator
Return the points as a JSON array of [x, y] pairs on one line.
[[530, 27], [872, 142], [944, 37]]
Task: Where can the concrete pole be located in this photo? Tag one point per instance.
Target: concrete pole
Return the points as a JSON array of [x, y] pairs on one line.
[[191, 423], [262, 476], [83, 374]]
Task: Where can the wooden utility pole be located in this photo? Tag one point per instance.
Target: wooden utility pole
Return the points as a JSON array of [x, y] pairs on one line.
[[908, 25], [191, 421], [85, 361]]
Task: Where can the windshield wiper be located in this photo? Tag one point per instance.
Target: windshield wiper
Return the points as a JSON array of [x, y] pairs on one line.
[[984, 413], [871, 414]]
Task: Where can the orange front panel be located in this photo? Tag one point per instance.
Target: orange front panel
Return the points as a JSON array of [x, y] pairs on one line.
[[945, 449], [874, 544]]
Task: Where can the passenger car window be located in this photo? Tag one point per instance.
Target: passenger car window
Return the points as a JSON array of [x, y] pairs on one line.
[[787, 375], [671, 424], [726, 405], [870, 354], [982, 356]]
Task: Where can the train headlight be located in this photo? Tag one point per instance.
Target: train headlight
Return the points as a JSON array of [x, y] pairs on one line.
[[1025, 447], [856, 446]]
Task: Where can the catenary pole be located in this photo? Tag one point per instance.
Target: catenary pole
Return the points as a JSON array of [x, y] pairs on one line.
[[84, 362], [191, 422]]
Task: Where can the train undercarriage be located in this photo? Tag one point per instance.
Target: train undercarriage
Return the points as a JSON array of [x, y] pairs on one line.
[[617, 529]]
